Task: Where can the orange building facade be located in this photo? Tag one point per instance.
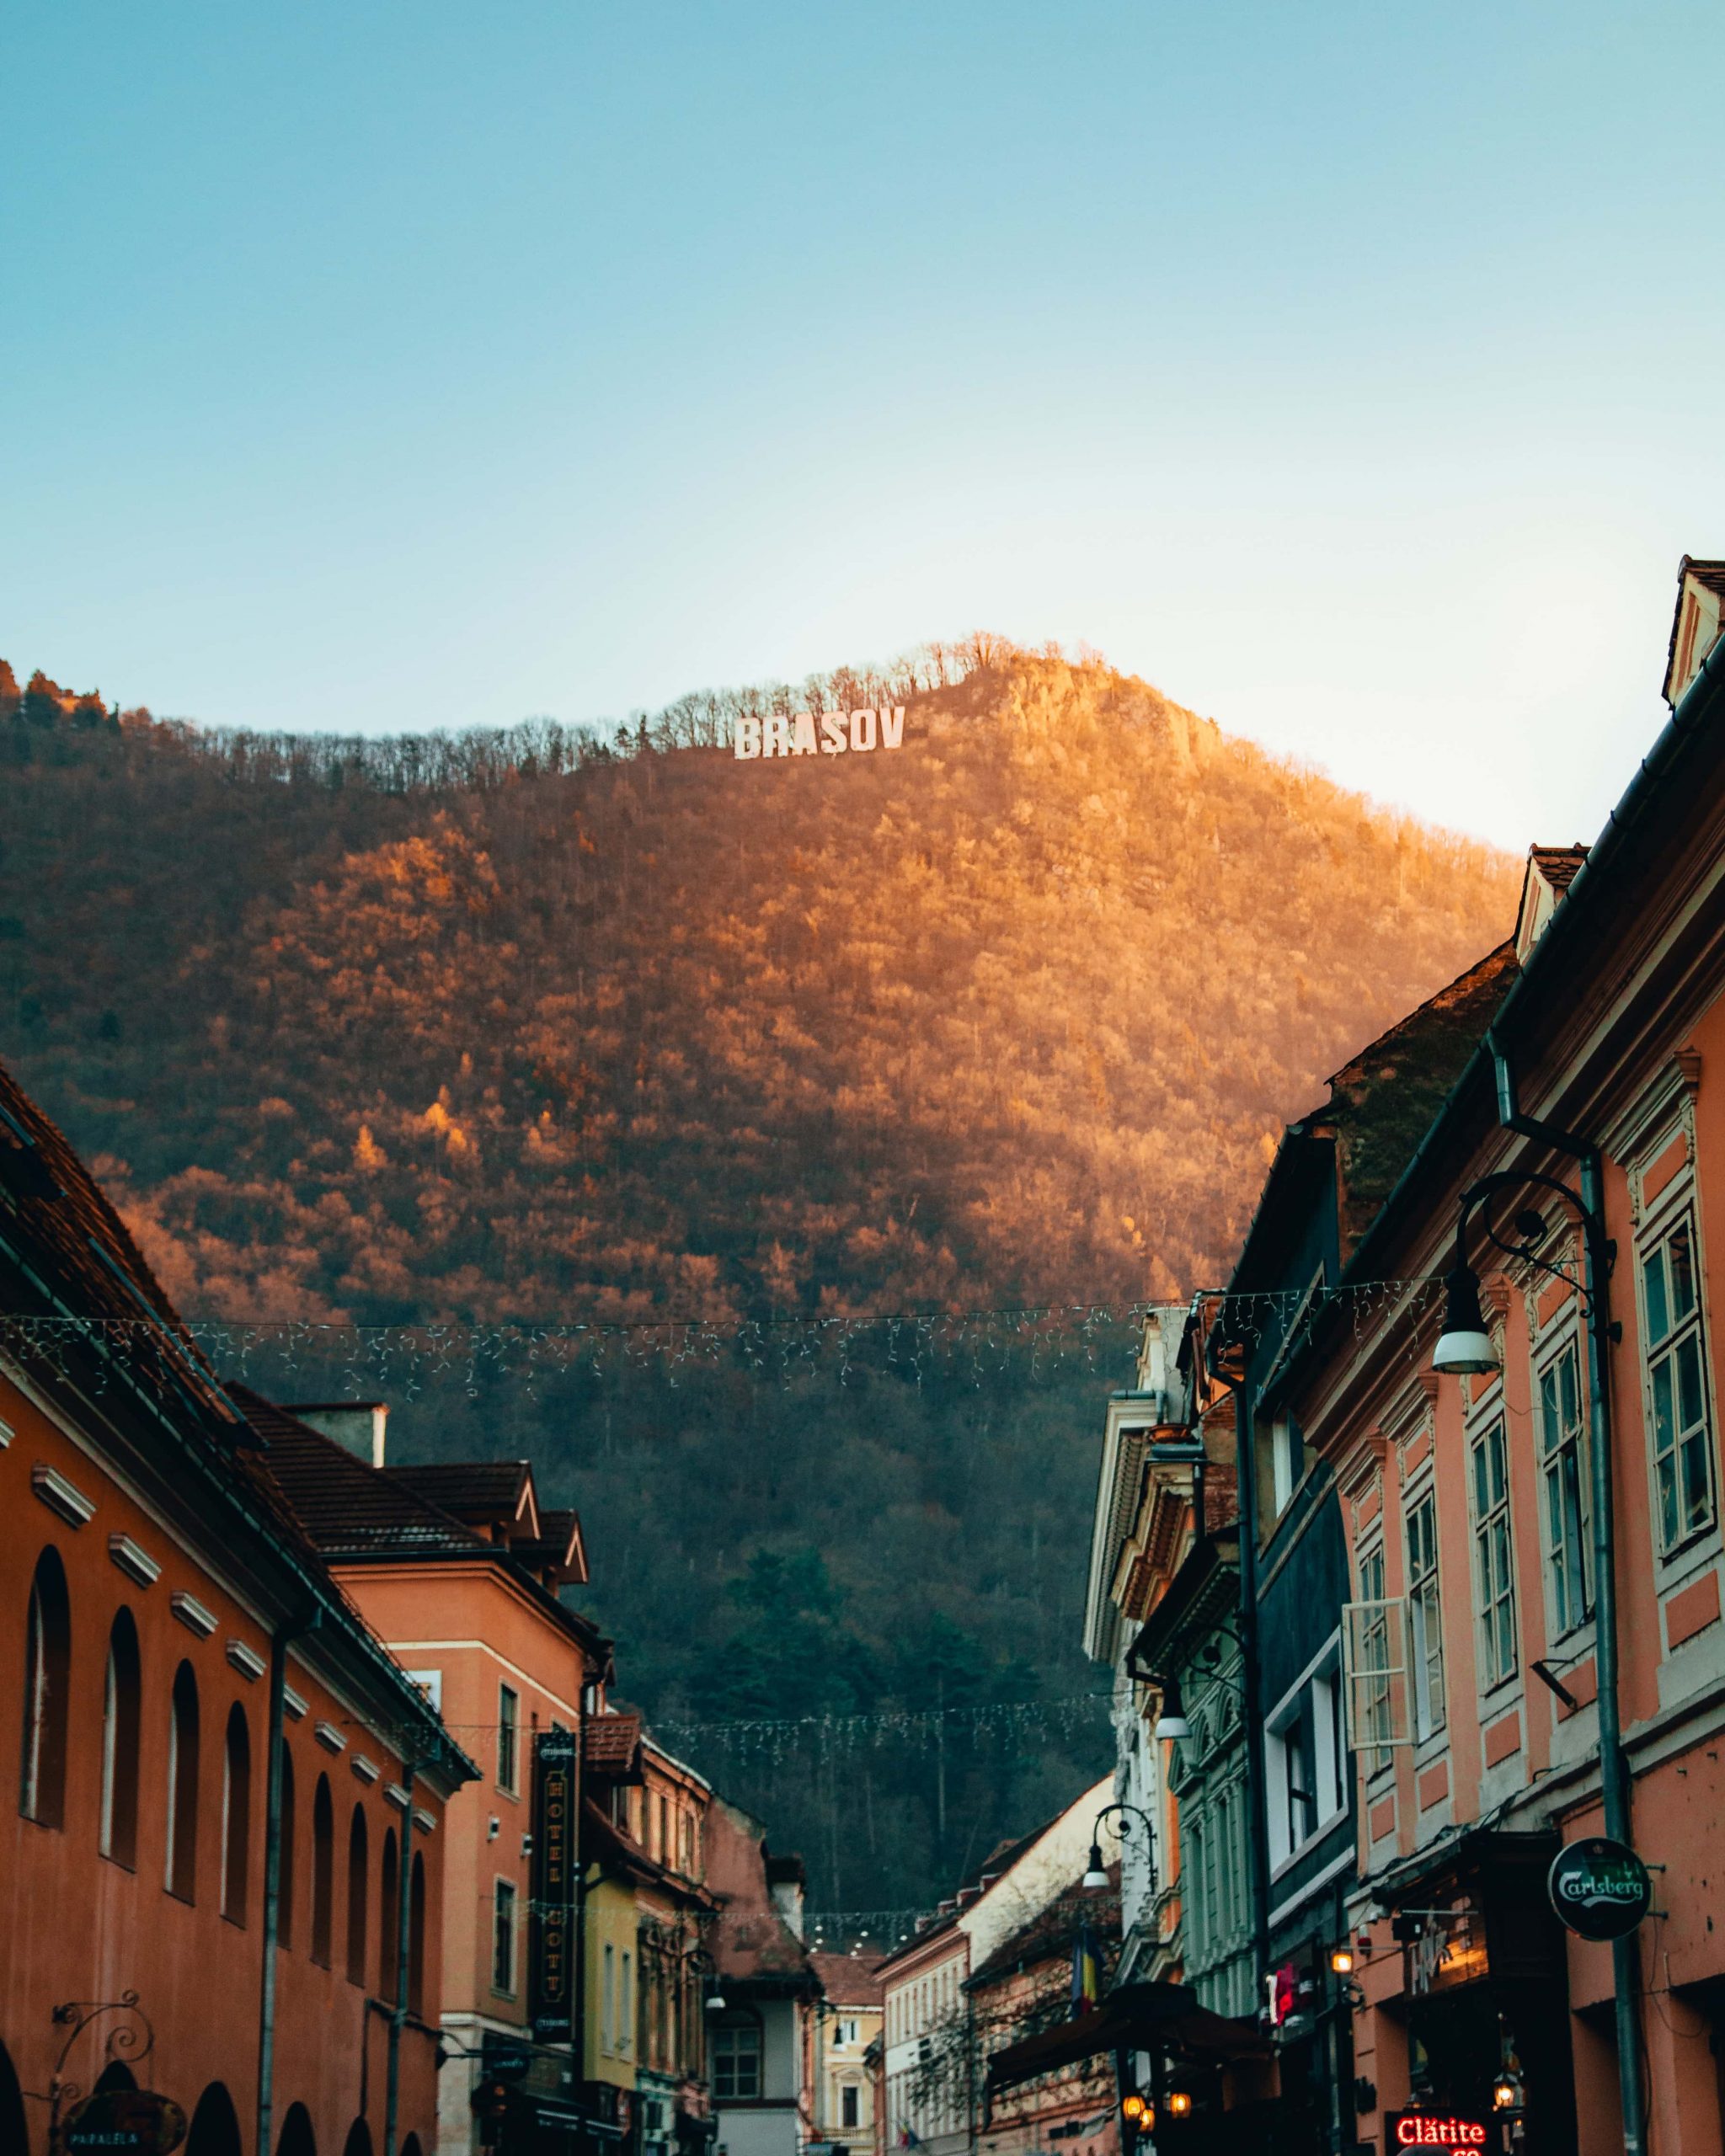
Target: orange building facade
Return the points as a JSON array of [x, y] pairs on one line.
[[262, 1949], [1483, 1635]]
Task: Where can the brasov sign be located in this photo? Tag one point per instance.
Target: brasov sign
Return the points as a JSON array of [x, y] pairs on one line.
[[1599, 1888], [820, 734]]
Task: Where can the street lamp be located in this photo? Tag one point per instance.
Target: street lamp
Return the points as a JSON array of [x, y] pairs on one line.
[[1171, 1721], [1465, 1347], [1095, 1877]]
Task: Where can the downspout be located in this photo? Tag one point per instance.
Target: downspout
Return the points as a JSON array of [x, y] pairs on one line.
[[1615, 1784], [403, 1943], [276, 1715], [1252, 1715]]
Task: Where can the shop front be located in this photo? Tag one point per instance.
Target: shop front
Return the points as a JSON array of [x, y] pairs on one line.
[[530, 2102], [1482, 2006]]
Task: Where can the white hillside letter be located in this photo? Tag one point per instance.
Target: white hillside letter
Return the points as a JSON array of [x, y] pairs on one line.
[[803, 742], [775, 736], [832, 734], [892, 728], [747, 737], [862, 730]]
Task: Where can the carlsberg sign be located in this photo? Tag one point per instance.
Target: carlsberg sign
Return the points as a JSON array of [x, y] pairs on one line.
[[828, 733]]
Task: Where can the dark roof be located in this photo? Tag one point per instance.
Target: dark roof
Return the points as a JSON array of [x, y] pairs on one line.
[[1054, 1931], [85, 1246], [610, 1744], [1557, 864], [476, 1490], [850, 1979], [347, 1508], [750, 1944], [1382, 1102], [614, 1846]]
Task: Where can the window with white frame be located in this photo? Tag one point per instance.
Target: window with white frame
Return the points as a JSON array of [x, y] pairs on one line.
[[1677, 1387], [1287, 1459], [1494, 1555], [1371, 1701], [736, 2062], [1563, 1477], [1425, 1625], [1305, 1785]]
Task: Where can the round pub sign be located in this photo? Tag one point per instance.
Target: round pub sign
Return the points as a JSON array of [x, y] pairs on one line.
[[1599, 1888]]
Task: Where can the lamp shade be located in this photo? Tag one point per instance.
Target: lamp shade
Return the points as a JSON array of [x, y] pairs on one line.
[[1465, 1346], [1095, 1875], [715, 2001], [1171, 1721]]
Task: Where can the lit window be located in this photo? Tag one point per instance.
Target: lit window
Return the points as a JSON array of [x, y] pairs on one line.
[[1424, 1618], [1681, 1468], [1494, 1560], [1562, 1469], [502, 1937]]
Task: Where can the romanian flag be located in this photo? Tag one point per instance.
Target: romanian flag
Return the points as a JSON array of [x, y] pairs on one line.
[[1087, 1973]]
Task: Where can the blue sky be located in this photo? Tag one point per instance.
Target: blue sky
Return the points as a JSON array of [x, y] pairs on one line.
[[1353, 372]]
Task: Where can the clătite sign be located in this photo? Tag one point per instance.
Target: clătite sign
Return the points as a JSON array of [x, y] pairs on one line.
[[1433, 2130], [820, 734]]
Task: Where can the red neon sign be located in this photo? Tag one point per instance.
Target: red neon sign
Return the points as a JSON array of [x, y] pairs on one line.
[[1429, 2130]]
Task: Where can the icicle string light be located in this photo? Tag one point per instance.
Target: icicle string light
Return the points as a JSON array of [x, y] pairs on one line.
[[403, 1359]]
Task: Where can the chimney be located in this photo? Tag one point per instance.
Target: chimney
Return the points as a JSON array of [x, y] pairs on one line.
[[357, 1426]]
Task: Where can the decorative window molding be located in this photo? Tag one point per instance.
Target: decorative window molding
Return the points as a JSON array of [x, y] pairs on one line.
[[294, 1705], [251, 1665], [7, 1433], [329, 1736], [425, 1821], [394, 1794], [134, 1560], [1667, 1098], [363, 1768], [1364, 1464], [192, 1613], [62, 1497]]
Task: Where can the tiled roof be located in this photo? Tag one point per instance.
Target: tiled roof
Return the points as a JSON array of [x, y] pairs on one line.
[[850, 1979], [488, 1488], [557, 1547], [610, 1744], [752, 1942], [348, 1507], [62, 1211], [1558, 864]]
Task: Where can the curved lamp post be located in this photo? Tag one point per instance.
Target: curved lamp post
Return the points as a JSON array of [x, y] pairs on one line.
[[1096, 1875], [1465, 1347]]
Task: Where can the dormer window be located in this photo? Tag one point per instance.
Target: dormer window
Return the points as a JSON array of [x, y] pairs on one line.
[[1694, 631]]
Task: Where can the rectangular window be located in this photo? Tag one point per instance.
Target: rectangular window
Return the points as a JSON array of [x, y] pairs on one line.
[[1371, 1694], [509, 1720], [502, 1937], [607, 2003], [1564, 1476], [1425, 1621], [1682, 1473], [1494, 1556], [626, 2008], [736, 2062], [848, 2107]]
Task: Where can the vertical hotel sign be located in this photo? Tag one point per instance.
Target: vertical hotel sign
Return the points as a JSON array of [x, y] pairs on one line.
[[552, 1999]]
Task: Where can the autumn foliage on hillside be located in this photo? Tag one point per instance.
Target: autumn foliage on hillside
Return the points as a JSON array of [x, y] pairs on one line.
[[1011, 1014], [544, 1025]]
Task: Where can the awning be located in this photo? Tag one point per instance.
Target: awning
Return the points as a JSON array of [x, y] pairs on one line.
[[1136, 2018]]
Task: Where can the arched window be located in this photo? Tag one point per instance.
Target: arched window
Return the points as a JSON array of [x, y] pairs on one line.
[[356, 1882], [297, 2138], [388, 1919], [323, 1872], [122, 1711], [183, 1786], [416, 1939], [41, 1792], [284, 1843], [236, 1815]]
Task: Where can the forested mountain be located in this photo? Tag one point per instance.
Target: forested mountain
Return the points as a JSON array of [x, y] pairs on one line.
[[548, 1025]]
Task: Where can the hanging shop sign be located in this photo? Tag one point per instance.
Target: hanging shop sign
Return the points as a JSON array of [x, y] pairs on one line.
[[124, 2122], [1433, 2130], [820, 733], [554, 1975], [1599, 1888]]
